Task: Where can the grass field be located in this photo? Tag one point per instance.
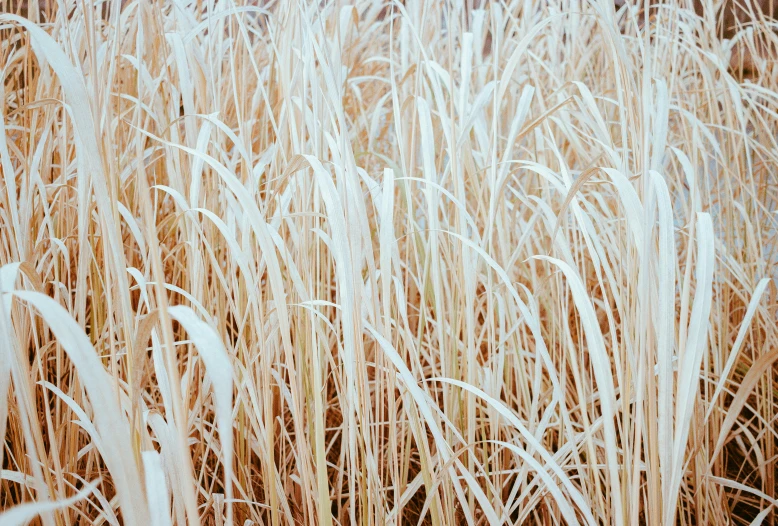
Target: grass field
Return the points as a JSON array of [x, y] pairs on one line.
[[387, 263]]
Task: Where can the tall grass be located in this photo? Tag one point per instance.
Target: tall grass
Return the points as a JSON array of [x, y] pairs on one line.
[[387, 263]]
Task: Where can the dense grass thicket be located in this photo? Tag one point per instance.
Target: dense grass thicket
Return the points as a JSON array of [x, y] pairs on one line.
[[387, 263]]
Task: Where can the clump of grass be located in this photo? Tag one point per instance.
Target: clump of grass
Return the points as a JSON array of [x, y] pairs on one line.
[[386, 263]]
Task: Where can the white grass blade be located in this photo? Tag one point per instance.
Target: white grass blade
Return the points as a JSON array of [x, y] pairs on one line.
[[601, 364], [24, 513], [689, 366], [219, 368], [156, 489], [8, 274], [665, 329], [109, 419]]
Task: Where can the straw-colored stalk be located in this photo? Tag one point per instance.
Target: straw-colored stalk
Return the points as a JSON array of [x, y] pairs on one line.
[[445, 263]]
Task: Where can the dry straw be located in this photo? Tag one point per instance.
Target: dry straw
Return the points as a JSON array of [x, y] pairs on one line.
[[456, 262]]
